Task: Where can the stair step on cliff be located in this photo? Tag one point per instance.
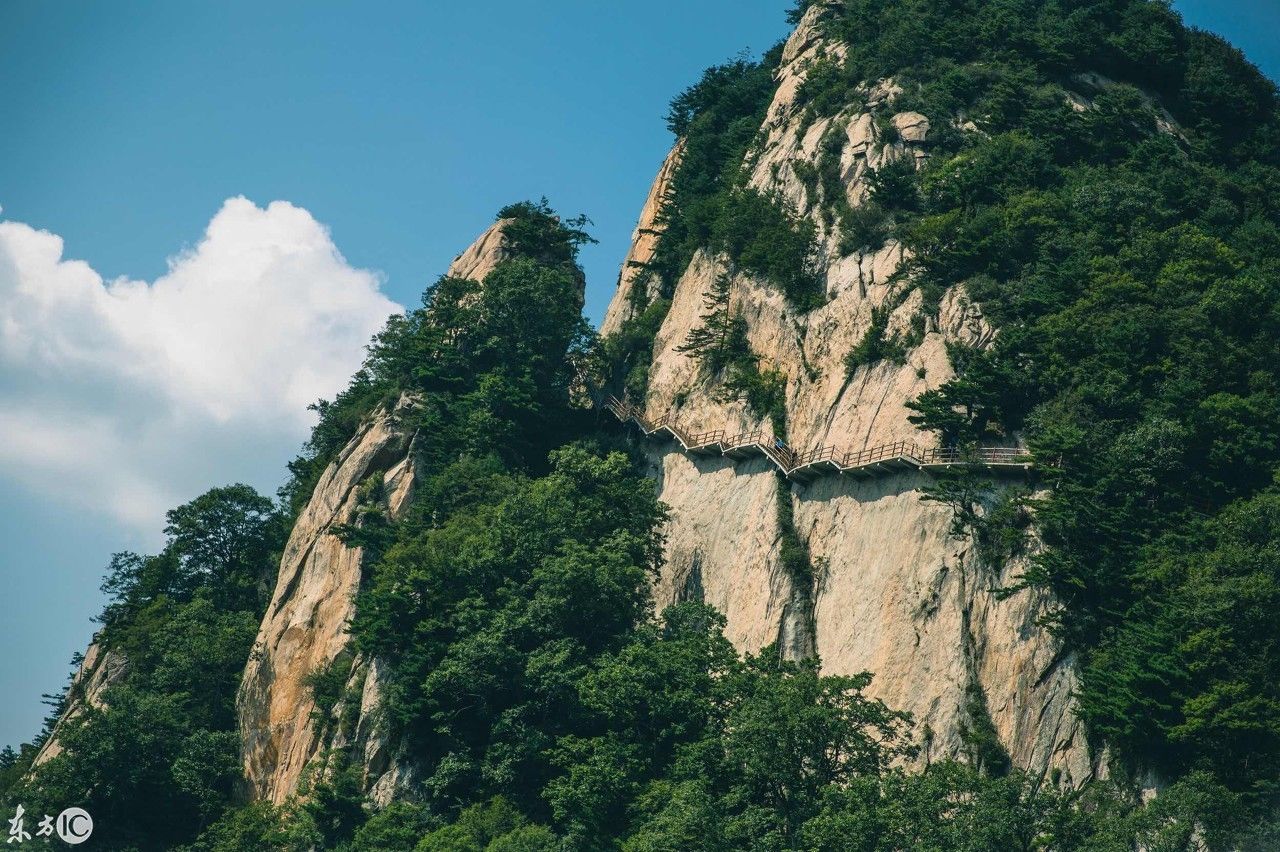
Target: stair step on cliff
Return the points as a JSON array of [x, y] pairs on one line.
[[825, 461]]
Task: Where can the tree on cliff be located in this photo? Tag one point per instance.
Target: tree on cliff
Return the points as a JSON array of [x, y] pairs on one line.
[[1128, 250], [156, 757]]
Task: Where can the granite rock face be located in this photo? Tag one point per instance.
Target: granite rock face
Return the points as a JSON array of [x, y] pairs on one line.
[[305, 627], [894, 592], [893, 589], [489, 249], [644, 242], [99, 670]]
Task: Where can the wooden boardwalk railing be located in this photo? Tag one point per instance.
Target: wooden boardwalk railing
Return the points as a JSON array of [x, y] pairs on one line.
[[808, 465]]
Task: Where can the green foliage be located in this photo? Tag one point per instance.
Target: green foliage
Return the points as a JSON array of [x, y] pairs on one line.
[[495, 361], [1000, 533], [1189, 679], [13, 765], [327, 683], [484, 612], [951, 806], [762, 237], [151, 777], [874, 346], [399, 826], [327, 812], [1132, 274], [865, 228], [667, 739], [709, 206], [625, 356], [539, 234], [329, 806], [965, 410], [221, 545], [717, 342], [748, 745], [494, 826], [764, 391], [891, 189], [995, 520], [254, 827], [158, 761], [982, 744], [722, 350], [718, 119], [1207, 85], [794, 552]]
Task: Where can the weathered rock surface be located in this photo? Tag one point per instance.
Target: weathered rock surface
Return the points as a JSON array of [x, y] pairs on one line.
[[100, 670], [644, 242], [489, 249], [894, 593], [305, 627]]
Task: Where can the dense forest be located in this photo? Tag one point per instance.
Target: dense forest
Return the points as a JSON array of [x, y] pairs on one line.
[[1129, 254]]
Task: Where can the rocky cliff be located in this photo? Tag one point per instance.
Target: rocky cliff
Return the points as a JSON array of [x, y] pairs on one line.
[[99, 670], [304, 631], [893, 591]]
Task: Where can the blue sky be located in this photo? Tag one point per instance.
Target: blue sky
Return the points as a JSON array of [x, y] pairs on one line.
[[400, 126]]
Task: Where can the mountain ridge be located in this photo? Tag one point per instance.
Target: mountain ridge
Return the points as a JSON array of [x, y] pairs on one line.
[[500, 622]]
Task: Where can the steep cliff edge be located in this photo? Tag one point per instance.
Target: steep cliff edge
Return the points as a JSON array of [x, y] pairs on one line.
[[892, 591], [304, 631], [99, 671]]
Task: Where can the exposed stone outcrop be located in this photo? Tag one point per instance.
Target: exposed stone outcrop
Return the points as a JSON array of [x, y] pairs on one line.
[[489, 249], [644, 242], [305, 627], [99, 670], [893, 592]]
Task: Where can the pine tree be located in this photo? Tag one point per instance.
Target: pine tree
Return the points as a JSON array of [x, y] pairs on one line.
[[711, 343]]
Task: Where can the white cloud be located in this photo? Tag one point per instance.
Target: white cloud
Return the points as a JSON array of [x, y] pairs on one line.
[[128, 397]]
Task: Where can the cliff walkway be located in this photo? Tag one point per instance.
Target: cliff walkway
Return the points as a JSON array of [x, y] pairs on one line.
[[805, 466]]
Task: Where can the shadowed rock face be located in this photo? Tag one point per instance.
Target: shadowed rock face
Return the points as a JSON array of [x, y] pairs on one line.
[[893, 592]]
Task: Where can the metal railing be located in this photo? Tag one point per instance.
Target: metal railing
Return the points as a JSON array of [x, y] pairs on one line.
[[706, 439], [790, 461], [820, 454], [884, 452], [781, 455], [746, 439], [977, 455]]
